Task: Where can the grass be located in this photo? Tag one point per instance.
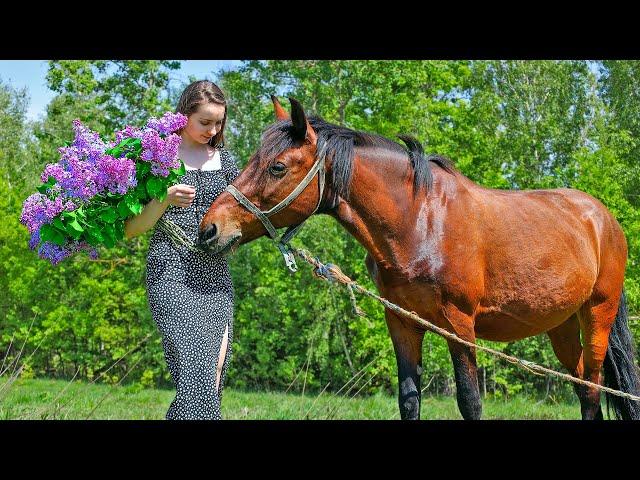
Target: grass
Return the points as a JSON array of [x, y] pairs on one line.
[[60, 399]]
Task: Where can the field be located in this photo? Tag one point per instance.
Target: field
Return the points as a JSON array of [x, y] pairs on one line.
[[59, 399]]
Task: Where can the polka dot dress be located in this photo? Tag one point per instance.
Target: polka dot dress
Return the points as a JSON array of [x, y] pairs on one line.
[[191, 300]]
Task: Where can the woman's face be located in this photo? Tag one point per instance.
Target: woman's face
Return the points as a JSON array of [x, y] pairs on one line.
[[205, 122]]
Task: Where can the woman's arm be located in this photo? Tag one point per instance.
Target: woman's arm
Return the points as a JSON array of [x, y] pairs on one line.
[[180, 195]]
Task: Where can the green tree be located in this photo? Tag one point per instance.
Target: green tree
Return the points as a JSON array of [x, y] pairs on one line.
[[124, 91], [532, 116]]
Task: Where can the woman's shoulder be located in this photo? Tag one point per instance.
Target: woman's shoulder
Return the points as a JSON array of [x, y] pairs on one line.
[[224, 153], [226, 156]]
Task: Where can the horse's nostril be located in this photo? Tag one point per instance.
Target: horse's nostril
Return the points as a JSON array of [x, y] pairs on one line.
[[208, 234]]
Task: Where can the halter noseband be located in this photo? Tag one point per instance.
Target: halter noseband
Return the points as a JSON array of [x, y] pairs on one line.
[[263, 216]]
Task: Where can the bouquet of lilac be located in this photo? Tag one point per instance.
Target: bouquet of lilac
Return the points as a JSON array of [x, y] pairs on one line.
[[97, 185]]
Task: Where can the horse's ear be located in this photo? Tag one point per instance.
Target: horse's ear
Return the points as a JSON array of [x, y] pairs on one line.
[[301, 126], [281, 114]]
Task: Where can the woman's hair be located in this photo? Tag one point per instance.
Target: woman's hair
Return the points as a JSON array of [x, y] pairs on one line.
[[199, 93]]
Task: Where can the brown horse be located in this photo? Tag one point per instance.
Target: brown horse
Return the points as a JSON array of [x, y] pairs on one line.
[[482, 263]]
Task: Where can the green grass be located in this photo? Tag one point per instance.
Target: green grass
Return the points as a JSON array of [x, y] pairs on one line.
[[59, 399]]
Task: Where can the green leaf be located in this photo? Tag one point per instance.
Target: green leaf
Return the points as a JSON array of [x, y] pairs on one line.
[[141, 192], [49, 234], [58, 224], [75, 226], [123, 209], [132, 202], [96, 234], [109, 215], [91, 240], [142, 168], [109, 234], [119, 226], [155, 187], [69, 215], [46, 233], [136, 143]]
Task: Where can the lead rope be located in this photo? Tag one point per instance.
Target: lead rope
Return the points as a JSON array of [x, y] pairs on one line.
[[331, 272]]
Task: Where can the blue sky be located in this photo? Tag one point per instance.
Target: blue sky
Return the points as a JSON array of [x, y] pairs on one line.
[[31, 74]]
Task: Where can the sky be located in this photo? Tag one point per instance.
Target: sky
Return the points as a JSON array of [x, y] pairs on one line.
[[31, 74]]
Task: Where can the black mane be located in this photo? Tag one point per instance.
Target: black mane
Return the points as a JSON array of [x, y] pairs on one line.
[[340, 144]]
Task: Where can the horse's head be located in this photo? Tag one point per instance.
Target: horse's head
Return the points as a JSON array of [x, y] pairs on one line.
[[277, 183]]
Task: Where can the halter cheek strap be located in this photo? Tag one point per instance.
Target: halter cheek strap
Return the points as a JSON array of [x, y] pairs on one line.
[[263, 216]]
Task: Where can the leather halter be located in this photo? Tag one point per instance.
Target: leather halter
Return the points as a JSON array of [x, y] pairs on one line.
[[282, 243]]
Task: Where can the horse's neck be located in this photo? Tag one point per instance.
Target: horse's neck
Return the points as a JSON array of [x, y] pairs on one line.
[[382, 212]]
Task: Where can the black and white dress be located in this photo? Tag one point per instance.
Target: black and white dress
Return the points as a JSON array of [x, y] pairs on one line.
[[191, 299]]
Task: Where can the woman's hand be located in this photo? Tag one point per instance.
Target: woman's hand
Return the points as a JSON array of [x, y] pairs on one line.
[[180, 195]]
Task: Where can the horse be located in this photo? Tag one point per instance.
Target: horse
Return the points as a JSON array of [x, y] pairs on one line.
[[500, 265]]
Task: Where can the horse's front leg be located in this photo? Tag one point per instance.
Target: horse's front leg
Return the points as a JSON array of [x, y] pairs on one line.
[[407, 343]]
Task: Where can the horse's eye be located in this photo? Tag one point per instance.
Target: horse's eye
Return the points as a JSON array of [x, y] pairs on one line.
[[277, 169]]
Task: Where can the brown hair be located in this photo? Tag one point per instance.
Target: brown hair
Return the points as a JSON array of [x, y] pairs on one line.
[[202, 92]]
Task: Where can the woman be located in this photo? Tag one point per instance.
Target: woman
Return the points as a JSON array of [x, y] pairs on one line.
[[190, 293]]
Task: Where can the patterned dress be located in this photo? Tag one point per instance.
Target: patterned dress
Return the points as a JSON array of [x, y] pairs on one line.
[[191, 300]]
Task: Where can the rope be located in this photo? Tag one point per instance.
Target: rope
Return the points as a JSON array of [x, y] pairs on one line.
[[331, 272]]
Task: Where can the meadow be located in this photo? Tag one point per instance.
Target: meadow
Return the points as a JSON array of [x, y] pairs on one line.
[[46, 399]]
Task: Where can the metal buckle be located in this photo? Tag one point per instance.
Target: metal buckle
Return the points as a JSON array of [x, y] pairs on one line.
[[288, 257]]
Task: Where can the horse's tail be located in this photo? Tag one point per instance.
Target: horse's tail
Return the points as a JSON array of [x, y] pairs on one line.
[[620, 369]]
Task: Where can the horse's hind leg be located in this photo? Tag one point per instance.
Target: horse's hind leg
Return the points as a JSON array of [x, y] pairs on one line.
[[407, 343], [565, 340], [596, 320]]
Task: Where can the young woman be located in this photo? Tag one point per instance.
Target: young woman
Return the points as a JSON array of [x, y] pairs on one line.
[[190, 293]]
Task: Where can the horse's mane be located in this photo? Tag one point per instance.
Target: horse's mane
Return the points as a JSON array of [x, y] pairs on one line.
[[340, 144]]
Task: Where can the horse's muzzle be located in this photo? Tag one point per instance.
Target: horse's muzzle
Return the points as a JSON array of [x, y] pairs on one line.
[[210, 242], [208, 235]]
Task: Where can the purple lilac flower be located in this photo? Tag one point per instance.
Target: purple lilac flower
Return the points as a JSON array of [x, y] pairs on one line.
[[162, 153], [87, 142], [34, 240], [39, 209], [168, 123], [117, 175], [80, 181], [56, 253], [75, 175], [127, 132], [52, 252], [54, 170]]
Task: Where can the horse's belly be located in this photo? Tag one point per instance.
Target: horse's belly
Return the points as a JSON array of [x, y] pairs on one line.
[[501, 327], [529, 303]]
